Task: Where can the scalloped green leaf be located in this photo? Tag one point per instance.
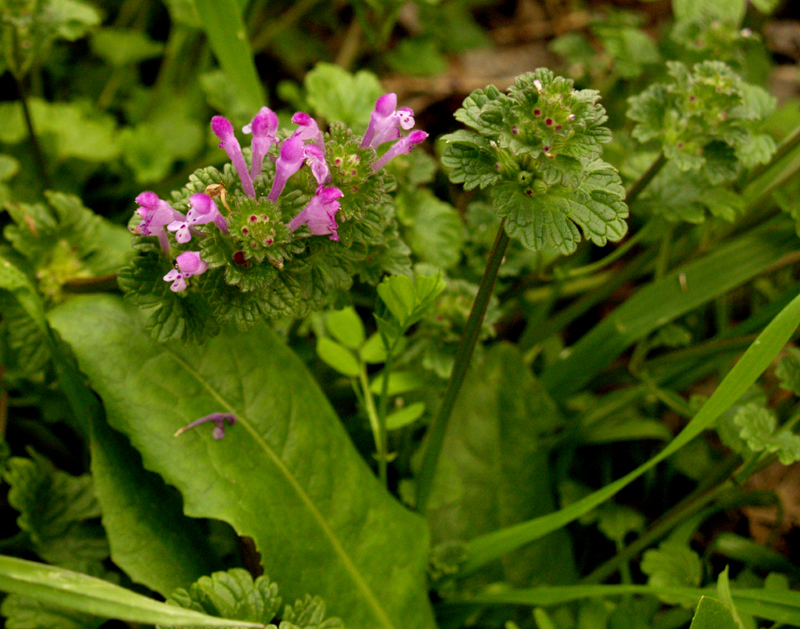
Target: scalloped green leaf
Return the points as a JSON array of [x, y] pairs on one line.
[[433, 228], [338, 95], [672, 565], [788, 370], [276, 474], [550, 219], [759, 427], [473, 104], [471, 160], [231, 594], [53, 507]]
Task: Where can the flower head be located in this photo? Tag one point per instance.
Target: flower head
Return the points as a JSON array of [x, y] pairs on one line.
[[264, 126], [155, 215], [386, 120], [204, 210], [320, 214], [223, 129], [189, 263], [218, 418], [401, 147]]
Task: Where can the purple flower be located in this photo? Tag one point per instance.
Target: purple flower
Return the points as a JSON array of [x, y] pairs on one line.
[[264, 126], [223, 129], [315, 158], [309, 129], [189, 263], [155, 214], [218, 418], [401, 147], [289, 162], [385, 121], [320, 214], [204, 210]]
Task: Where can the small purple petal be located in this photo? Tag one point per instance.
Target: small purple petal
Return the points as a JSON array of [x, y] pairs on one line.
[[264, 126], [386, 121], [289, 162], [177, 279], [218, 419], [319, 214], [223, 129], [205, 210], [189, 263], [183, 235], [384, 107], [309, 129], [155, 214], [401, 147], [315, 158]]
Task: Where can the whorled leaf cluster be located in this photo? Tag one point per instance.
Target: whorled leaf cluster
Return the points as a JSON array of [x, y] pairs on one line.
[[706, 119], [539, 146]]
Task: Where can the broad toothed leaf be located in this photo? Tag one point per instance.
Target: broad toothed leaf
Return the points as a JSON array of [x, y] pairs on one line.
[[549, 220], [707, 118], [759, 428], [472, 106], [788, 370], [53, 508], [471, 159], [231, 594]]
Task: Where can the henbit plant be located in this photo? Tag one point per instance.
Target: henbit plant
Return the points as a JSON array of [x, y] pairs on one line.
[[237, 262]]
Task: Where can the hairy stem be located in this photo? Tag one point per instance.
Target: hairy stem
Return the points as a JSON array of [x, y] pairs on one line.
[[645, 179], [472, 330], [44, 172], [287, 18]]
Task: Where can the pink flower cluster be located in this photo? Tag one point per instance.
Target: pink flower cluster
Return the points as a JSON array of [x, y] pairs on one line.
[[305, 146]]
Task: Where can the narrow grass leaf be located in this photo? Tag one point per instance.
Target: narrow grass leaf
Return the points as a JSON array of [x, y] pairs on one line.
[[223, 24], [755, 360], [80, 592]]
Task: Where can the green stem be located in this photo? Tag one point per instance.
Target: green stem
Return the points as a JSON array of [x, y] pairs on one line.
[[348, 51], [287, 18], [44, 172], [374, 423], [645, 179], [472, 330]]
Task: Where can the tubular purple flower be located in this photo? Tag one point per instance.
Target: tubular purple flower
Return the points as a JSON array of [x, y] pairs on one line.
[[315, 158], [264, 126], [386, 120], [204, 210], [218, 418], [289, 162], [223, 129], [320, 214], [309, 129], [189, 263], [401, 147], [155, 214]]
